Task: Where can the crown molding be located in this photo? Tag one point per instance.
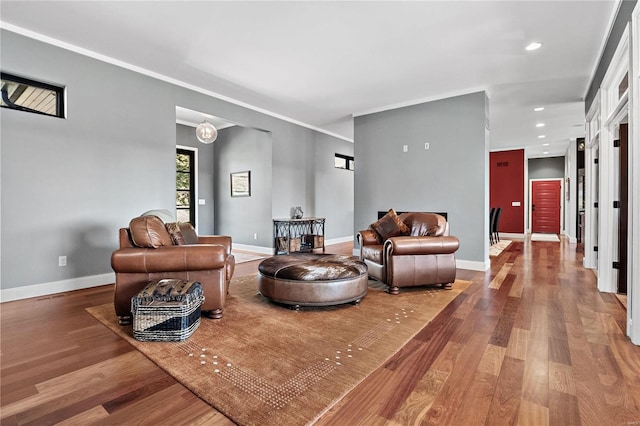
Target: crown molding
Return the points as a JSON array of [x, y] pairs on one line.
[[423, 100], [140, 70]]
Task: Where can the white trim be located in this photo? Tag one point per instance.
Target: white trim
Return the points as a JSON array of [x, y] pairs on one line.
[[572, 240], [104, 58], [633, 269], [473, 265], [256, 249], [511, 235], [45, 289], [269, 250], [339, 240], [194, 125], [197, 200], [612, 109], [612, 19], [423, 100]]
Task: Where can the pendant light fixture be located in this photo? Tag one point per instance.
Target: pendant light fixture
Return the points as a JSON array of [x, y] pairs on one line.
[[206, 133]]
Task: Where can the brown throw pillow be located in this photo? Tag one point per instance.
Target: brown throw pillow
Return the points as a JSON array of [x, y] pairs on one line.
[[390, 226], [188, 233], [175, 233], [149, 231]]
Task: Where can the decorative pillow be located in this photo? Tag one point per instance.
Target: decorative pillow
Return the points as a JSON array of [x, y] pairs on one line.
[[188, 233], [149, 231], [390, 226], [175, 233]]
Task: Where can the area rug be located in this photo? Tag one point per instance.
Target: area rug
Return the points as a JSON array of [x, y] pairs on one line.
[[264, 364], [497, 248], [243, 257], [545, 237]]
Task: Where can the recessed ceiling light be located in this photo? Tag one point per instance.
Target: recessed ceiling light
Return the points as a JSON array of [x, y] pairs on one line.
[[540, 125], [541, 136], [533, 46], [545, 152], [545, 144], [538, 109]]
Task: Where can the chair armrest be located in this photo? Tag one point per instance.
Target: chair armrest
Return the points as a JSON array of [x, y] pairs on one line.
[[367, 237], [223, 240], [199, 257], [421, 245]]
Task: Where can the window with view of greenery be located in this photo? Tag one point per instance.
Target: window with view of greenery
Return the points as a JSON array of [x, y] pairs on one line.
[[185, 186], [23, 94]]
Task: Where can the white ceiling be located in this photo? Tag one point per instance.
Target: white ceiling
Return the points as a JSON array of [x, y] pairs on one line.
[[322, 62]]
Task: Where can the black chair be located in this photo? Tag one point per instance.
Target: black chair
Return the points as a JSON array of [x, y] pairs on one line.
[[494, 225], [492, 215]]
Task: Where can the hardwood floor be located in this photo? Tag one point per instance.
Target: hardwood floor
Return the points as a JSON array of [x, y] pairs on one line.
[[530, 342]]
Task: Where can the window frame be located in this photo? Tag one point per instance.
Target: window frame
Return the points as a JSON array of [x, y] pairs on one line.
[[349, 160], [192, 184], [58, 90]]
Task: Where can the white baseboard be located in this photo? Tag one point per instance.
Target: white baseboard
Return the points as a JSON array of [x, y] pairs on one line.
[[269, 250], [473, 265], [338, 240], [44, 289], [508, 235], [255, 249]]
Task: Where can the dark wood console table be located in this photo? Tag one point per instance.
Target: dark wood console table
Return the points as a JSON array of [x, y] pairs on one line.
[[298, 235]]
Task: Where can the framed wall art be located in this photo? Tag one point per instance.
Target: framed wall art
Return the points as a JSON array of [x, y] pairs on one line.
[[241, 184]]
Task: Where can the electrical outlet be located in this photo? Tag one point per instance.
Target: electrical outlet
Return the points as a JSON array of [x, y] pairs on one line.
[[405, 148], [426, 145], [62, 260], [255, 236]]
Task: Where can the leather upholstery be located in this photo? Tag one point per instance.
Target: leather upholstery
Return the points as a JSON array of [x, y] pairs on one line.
[[425, 256], [312, 279], [209, 261]]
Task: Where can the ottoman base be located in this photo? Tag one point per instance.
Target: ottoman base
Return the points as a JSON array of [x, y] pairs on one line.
[[313, 280]]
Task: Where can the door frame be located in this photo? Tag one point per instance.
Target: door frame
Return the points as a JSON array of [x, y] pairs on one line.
[[195, 179], [562, 189]]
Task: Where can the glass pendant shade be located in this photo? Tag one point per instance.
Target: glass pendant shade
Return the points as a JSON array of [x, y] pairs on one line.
[[206, 133]]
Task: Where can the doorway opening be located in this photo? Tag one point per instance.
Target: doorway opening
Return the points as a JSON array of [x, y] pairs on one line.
[[186, 186], [546, 206]]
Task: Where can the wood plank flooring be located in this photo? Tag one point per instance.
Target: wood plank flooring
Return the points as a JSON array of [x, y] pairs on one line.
[[530, 342]]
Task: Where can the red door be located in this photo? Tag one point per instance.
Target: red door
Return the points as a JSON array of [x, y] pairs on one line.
[[545, 206]]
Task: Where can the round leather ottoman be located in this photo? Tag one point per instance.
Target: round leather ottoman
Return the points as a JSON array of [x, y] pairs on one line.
[[308, 279]]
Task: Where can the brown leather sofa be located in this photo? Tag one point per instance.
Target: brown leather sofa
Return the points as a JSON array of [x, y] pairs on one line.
[[148, 251], [412, 249]]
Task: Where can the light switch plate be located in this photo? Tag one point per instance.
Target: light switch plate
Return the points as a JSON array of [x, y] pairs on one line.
[[201, 201]]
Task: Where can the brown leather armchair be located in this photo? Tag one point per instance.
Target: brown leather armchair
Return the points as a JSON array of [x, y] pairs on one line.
[[423, 253], [148, 251]]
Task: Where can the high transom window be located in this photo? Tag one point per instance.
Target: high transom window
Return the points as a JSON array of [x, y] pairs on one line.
[[23, 94]]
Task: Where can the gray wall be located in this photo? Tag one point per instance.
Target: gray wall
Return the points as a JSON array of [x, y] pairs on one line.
[[546, 168], [622, 18], [69, 184], [333, 188], [240, 149], [452, 176], [186, 136]]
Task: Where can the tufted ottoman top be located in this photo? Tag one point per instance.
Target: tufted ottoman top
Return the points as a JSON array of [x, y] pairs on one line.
[[312, 267]]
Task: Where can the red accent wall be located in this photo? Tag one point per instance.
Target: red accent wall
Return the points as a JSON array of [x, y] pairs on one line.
[[506, 185]]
